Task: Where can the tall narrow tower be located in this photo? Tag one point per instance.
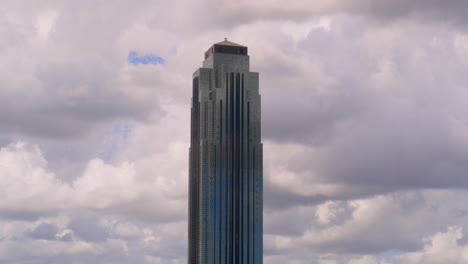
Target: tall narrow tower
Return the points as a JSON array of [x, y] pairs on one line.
[[226, 161]]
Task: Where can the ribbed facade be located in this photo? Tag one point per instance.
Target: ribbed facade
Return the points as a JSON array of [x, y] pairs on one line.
[[226, 161]]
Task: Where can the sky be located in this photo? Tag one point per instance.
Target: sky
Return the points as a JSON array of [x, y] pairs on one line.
[[364, 122]]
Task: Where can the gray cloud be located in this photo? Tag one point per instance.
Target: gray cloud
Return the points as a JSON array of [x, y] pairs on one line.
[[67, 78], [45, 231], [234, 12], [363, 109], [381, 123], [87, 227]]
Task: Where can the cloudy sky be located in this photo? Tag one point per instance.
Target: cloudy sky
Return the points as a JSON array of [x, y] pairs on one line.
[[365, 127]]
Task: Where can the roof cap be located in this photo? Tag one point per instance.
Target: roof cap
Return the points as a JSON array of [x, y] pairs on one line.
[[228, 43]]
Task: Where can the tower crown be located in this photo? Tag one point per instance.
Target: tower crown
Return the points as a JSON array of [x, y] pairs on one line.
[[226, 47]]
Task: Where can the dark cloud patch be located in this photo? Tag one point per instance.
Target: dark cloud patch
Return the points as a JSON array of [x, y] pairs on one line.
[[302, 114], [370, 245], [114, 256], [73, 81], [84, 95], [26, 215], [243, 12], [87, 227], [382, 122], [77, 98], [279, 222], [328, 86], [277, 197], [403, 156], [46, 231], [451, 11]]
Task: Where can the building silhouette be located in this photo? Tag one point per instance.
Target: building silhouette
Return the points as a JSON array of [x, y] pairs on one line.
[[225, 161]]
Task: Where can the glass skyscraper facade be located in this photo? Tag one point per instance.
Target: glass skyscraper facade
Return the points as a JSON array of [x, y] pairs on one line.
[[225, 161]]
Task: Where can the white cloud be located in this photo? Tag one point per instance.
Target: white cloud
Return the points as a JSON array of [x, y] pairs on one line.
[[31, 189], [441, 248], [27, 187]]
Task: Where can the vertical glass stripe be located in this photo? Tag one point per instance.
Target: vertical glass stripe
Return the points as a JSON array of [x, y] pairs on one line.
[[226, 156]]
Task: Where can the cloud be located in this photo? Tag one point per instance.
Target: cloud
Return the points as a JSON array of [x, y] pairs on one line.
[[79, 88], [29, 189], [378, 226], [383, 126], [442, 247], [432, 10], [33, 191], [88, 228], [47, 231], [92, 213], [364, 128]]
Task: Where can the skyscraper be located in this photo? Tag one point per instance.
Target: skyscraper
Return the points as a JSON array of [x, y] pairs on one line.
[[226, 161]]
